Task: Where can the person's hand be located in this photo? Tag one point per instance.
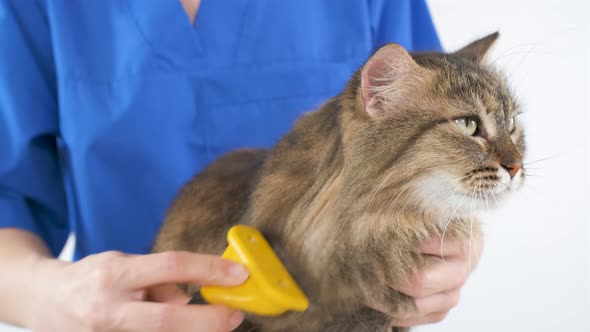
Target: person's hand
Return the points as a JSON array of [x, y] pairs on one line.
[[436, 290], [116, 292]]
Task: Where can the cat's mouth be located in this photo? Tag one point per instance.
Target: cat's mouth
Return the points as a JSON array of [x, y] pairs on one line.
[[478, 189], [491, 180], [486, 187]]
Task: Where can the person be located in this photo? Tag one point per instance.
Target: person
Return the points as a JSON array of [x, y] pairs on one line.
[[108, 107]]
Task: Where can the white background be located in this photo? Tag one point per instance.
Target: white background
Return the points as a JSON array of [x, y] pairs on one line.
[[534, 274]]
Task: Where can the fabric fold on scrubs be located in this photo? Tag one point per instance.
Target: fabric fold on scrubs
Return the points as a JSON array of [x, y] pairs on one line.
[[108, 107]]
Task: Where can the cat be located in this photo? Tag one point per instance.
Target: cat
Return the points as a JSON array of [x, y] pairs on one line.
[[412, 147]]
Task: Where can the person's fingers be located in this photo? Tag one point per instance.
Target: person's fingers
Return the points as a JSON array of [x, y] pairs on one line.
[[158, 317], [167, 294], [447, 248], [179, 267], [454, 249], [434, 317], [440, 302], [435, 279]]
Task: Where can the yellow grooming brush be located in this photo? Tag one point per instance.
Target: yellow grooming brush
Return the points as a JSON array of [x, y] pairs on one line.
[[269, 291]]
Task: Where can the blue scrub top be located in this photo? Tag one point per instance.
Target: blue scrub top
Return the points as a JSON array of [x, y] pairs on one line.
[[107, 107]]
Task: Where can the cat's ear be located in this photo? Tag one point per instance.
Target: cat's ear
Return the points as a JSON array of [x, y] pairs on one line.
[[477, 50], [383, 76]]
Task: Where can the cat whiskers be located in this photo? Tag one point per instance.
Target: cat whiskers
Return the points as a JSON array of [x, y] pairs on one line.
[[502, 183], [526, 166], [494, 197], [534, 174], [451, 218], [469, 265], [536, 161], [481, 196], [442, 239], [487, 199]]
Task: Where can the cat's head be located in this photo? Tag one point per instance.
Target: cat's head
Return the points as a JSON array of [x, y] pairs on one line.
[[442, 126]]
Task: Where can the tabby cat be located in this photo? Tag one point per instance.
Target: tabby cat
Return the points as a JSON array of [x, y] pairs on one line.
[[412, 147]]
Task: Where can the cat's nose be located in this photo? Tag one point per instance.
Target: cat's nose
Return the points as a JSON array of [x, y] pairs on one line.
[[512, 167]]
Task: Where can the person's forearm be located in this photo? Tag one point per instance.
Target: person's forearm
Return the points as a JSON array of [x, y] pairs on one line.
[[21, 253]]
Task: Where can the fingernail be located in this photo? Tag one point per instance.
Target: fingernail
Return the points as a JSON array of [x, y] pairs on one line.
[[236, 319], [238, 271]]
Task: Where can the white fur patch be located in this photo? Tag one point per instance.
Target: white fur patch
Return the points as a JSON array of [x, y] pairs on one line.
[[449, 197]]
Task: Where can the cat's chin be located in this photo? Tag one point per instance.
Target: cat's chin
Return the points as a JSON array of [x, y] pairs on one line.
[[471, 203], [438, 193], [467, 204]]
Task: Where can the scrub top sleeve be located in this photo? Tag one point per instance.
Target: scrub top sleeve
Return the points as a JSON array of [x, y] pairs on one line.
[[32, 194], [405, 22]]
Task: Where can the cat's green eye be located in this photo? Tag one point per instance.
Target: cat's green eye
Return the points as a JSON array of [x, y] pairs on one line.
[[511, 125], [468, 125]]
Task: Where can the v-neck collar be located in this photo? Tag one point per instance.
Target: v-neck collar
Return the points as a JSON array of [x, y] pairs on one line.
[[167, 29], [219, 26]]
